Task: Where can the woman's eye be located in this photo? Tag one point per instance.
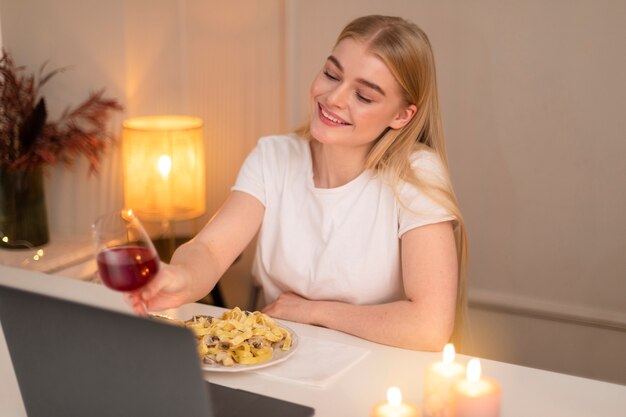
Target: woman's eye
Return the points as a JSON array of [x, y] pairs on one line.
[[331, 76], [363, 98]]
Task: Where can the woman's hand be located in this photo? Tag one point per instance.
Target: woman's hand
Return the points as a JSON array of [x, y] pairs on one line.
[[170, 288], [292, 307]]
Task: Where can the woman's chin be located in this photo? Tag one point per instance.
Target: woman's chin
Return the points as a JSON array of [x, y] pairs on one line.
[[321, 138], [322, 134]]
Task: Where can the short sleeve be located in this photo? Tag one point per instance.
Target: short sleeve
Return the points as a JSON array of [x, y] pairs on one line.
[[419, 209], [251, 175]]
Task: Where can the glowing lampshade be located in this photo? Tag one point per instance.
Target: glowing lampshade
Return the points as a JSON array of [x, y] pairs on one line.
[[164, 176]]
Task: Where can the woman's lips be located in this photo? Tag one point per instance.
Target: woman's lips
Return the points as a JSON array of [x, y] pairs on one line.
[[330, 118]]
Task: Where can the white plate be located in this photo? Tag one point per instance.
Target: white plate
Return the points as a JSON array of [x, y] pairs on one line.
[[278, 356]]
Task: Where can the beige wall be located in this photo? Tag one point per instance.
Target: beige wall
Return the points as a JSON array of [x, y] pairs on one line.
[[532, 94]]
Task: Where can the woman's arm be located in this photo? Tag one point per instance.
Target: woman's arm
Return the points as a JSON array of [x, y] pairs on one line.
[[424, 321], [197, 265]]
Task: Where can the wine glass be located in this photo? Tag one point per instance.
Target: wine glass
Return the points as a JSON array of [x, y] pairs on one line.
[[126, 257]]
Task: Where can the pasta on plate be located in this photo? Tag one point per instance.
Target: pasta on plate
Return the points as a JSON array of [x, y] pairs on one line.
[[236, 338]]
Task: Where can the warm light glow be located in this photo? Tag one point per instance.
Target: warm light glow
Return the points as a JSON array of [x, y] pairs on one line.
[[473, 370], [36, 257], [394, 396], [5, 239], [448, 353], [164, 172], [127, 215], [40, 252], [164, 165]]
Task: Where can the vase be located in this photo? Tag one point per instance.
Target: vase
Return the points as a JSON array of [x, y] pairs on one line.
[[23, 215]]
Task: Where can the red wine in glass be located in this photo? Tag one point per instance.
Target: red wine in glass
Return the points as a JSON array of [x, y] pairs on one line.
[[126, 257], [127, 268]]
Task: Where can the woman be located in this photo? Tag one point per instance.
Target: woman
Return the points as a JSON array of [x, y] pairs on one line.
[[355, 212]]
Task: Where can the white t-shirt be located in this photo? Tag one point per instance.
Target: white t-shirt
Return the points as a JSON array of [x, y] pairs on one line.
[[339, 244]]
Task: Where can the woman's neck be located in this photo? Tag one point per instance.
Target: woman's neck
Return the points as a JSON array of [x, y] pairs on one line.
[[334, 166]]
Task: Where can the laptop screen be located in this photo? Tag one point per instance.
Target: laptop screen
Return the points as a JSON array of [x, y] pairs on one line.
[[73, 359]]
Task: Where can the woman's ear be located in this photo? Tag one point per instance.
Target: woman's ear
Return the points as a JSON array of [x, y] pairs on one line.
[[403, 117]]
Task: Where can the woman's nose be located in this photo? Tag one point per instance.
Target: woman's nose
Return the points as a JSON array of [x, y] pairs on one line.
[[337, 97]]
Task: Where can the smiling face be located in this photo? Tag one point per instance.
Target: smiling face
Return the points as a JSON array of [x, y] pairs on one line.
[[355, 97]]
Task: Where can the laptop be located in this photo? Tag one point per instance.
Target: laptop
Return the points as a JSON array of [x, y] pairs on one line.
[[74, 359]]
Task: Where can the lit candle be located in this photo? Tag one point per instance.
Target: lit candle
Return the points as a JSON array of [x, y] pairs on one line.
[[394, 407], [475, 396], [440, 378]]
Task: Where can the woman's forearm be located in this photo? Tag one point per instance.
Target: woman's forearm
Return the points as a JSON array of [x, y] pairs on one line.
[[400, 323], [202, 268]]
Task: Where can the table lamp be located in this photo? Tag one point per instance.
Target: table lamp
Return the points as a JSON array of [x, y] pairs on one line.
[[164, 174]]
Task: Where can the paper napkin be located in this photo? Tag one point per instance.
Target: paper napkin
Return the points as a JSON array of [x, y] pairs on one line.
[[316, 362]]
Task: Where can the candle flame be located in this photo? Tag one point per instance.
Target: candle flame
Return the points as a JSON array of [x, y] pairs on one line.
[[473, 370], [394, 396], [164, 165], [448, 353]]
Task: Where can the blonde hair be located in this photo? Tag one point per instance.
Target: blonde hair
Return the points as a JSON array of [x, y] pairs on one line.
[[406, 51]]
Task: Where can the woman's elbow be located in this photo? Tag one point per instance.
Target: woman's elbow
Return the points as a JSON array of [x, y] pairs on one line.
[[436, 343], [433, 338]]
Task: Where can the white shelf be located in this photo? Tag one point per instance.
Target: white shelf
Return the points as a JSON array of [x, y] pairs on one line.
[[69, 257]]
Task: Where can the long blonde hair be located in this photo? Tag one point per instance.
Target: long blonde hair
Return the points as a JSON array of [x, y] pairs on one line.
[[406, 51]]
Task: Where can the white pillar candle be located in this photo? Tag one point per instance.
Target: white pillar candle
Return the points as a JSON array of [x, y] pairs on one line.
[[476, 396], [440, 378], [394, 407]]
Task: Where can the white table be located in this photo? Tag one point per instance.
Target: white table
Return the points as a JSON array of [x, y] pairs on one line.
[[526, 391]]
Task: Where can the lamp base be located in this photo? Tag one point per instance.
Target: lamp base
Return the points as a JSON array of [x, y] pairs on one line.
[[165, 246]]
